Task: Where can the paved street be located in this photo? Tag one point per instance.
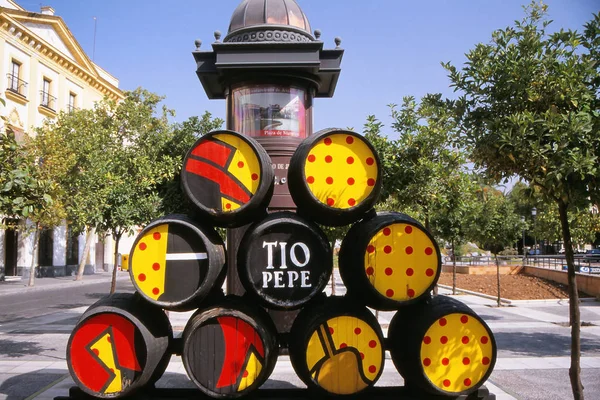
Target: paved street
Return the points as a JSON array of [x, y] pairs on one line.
[[532, 340]]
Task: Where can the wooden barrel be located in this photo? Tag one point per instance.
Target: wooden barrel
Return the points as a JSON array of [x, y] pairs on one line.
[[335, 177], [175, 263], [442, 347], [229, 348], [284, 261], [336, 347], [228, 177], [389, 260], [119, 345]]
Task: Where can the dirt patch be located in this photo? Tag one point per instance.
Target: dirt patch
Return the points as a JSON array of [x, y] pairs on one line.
[[514, 287]]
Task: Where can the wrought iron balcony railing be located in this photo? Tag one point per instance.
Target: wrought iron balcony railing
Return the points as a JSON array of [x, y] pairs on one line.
[[47, 100], [16, 85]]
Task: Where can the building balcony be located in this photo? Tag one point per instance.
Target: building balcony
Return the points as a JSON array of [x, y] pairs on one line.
[[48, 101], [16, 89]]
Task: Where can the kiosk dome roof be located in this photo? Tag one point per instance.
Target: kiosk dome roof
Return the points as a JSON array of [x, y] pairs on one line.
[[269, 21]]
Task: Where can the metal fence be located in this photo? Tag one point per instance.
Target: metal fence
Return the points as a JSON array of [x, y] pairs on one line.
[[556, 262]]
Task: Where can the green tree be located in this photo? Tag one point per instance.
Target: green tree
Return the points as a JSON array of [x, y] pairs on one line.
[[530, 102]]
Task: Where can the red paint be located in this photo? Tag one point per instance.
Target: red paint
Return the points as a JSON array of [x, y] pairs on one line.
[[155, 291], [331, 330], [409, 272], [426, 340], [429, 251], [443, 322], [351, 202], [389, 293], [343, 346], [328, 159], [329, 180], [350, 160], [467, 382], [485, 361], [370, 161], [156, 266], [444, 339], [370, 249], [357, 331], [254, 177], [362, 356], [371, 182], [409, 250], [429, 272], [228, 206], [350, 181], [327, 141], [410, 293], [349, 140], [330, 202], [387, 249], [465, 339], [445, 361], [228, 186], [372, 369], [466, 361], [156, 235], [370, 271], [464, 319], [143, 246], [387, 232], [389, 271], [372, 344], [240, 164], [426, 362], [408, 230], [213, 151], [446, 382], [141, 277], [310, 179], [311, 158], [484, 339]]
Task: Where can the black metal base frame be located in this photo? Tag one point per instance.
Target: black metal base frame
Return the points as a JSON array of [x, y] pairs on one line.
[[375, 393]]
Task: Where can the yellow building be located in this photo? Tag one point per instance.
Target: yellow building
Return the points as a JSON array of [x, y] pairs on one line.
[[43, 71]]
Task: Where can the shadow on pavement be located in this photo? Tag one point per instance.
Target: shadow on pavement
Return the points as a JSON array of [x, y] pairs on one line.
[[19, 387], [536, 344], [11, 348]]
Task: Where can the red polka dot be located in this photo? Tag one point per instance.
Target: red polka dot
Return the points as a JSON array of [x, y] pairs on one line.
[[445, 361], [429, 272], [484, 339], [330, 202], [485, 361], [409, 250], [349, 140], [141, 277], [310, 179], [389, 271], [112, 370], [387, 232], [254, 177], [357, 331], [389, 293], [329, 180], [331, 330], [108, 339], [410, 293], [371, 249], [351, 202], [96, 352], [343, 346], [241, 164], [370, 161], [409, 272], [328, 159], [228, 206], [446, 382], [155, 291], [350, 160], [312, 158], [245, 374], [465, 339], [426, 362], [429, 251], [143, 246], [387, 249], [156, 235], [443, 321], [466, 361], [370, 271], [350, 181], [156, 266], [372, 344], [362, 356], [371, 182], [327, 141], [444, 339], [467, 382], [426, 340], [408, 230], [372, 369], [464, 319]]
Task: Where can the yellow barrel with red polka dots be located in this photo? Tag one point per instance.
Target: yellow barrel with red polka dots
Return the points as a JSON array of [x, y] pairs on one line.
[[335, 177], [442, 346], [389, 260], [175, 262], [337, 347]]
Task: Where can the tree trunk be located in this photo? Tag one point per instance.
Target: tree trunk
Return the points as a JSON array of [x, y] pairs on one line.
[[574, 316], [86, 251], [453, 269], [113, 282], [498, 276], [36, 242]]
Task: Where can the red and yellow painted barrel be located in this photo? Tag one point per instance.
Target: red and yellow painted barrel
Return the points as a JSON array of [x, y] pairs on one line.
[[389, 260], [442, 346], [228, 177], [335, 177]]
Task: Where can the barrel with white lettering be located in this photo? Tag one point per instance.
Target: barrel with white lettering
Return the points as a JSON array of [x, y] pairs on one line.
[[284, 261], [175, 262], [228, 177], [229, 348], [337, 347], [389, 260], [335, 177], [119, 346], [442, 347]]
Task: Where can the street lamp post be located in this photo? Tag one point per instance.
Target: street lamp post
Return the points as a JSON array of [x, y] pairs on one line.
[[524, 251], [533, 214]]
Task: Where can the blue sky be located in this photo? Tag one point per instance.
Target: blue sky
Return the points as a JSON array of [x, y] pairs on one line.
[[149, 43]]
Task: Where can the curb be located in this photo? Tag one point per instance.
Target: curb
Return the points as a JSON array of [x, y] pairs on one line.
[[63, 284], [485, 296]]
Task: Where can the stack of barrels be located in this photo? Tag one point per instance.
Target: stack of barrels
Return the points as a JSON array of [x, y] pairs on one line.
[[229, 347]]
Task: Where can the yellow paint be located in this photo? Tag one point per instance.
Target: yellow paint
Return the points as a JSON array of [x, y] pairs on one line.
[[339, 170], [253, 368], [340, 368], [398, 274], [248, 157], [105, 352], [232, 205], [142, 262], [455, 372]]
